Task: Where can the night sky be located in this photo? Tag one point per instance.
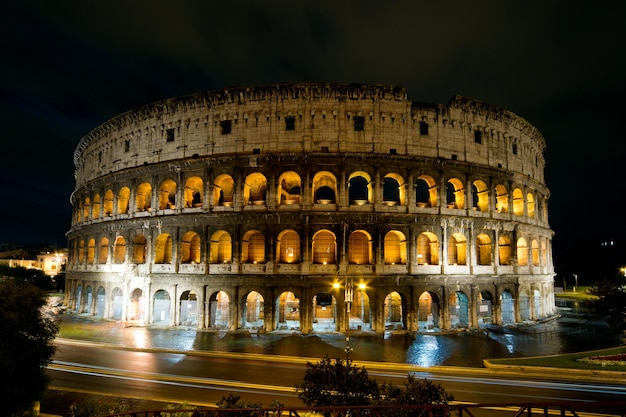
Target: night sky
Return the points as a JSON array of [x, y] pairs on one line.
[[67, 67]]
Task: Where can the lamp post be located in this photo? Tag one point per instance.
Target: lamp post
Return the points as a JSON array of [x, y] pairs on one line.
[[348, 296]]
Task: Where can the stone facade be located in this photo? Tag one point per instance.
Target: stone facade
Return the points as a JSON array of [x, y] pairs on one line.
[[312, 207]]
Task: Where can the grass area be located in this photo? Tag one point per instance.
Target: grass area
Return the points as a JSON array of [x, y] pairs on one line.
[[579, 294], [567, 361]]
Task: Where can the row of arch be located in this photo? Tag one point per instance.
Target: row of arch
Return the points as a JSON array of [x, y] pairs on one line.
[[397, 249], [325, 189], [322, 312]]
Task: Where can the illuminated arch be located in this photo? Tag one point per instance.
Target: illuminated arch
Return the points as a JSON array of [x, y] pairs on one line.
[[108, 203], [81, 251], [324, 247], [530, 205], [167, 194], [288, 247], [522, 252], [253, 247], [518, 202], [139, 249], [534, 249], [91, 251], [143, 199], [427, 249], [459, 310], [86, 208], [123, 197], [287, 311], [220, 248], [483, 249], [394, 311], [324, 187], [119, 250], [95, 210], [254, 189], [395, 248], [194, 190], [426, 190], [480, 195], [360, 188], [223, 190], [289, 188], [103, 253], [163, 249], [504, 250], [190, 248], [253, 311], [455, 194], [360, 248], [188, 308], [219, 310], [161, 307], [502, 199], [457, 249]]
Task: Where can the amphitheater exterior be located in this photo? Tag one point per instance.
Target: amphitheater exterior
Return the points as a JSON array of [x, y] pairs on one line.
[[311, 208]]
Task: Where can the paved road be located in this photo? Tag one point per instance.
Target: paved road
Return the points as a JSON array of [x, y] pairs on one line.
[[203, 379]]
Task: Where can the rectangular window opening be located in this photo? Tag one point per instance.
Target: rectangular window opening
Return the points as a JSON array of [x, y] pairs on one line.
[[169, 135], [423, 128], [290, 123], [393, 151], [359, 123], [478, 136], [227, 126]]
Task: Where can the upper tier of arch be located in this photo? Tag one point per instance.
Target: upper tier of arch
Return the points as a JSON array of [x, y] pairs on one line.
[[311, 117]]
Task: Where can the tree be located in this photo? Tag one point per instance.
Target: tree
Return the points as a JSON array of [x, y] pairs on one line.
[[415, 392], [27, 275], [26, 347], [611, 301], [336, 384]]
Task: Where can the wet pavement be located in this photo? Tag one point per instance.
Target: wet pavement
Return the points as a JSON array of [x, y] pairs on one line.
[[574, 331]]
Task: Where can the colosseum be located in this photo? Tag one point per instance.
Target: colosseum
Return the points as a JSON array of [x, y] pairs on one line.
[[312, 208]]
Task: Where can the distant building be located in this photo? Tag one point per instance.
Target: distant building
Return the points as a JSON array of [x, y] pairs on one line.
[[51, 264], [312, 207]]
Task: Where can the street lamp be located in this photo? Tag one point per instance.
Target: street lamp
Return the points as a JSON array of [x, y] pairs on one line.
[[348, 299]]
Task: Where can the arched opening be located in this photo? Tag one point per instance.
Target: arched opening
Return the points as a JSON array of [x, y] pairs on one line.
[[88, 299], [394, 311], [289, 188], [91, 251], [530, 205], [537, 304], [100, 301], [119, 250], [483, 249], [253, 311], [223, 190], [219, 309], [324, 188], [504, 250], [455, 195], [161, 306], [253, 247], [457, 249], [502, 199], [103, 253], [86, 208], [480, 196], [394, 190], [544, 254], [135, 307], [117, 297], [288, 247], [518, 202], [143, 199], [324, 313], [139, 249], [190, 248], [287, 311], [96, 207], [193, 192], [534, 249], [254, 189], [167, 195], [426, 191], [360, 312], [428, 311], [324, 247], [188, 308], [124, 196], [395, 248], [522, 252], [79, 299], [81, 251], [427, 249], [485, 308], [108, 203], [163, 249], [508, 307], [220, 249], [459, 310], [524, 305], [359, 248], [359, 188]]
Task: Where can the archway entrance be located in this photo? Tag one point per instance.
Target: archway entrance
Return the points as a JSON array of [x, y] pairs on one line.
[[253, 311], [118, 304], [161, 307], [394, 312], [508, 307], [188, 309], [135, 308], [219, 308], [485, 310], [459, 310], [428, 311], [287, 312], [324, 313], [100, 302]]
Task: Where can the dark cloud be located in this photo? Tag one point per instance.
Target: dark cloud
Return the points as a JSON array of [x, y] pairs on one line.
[[69, 66]]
